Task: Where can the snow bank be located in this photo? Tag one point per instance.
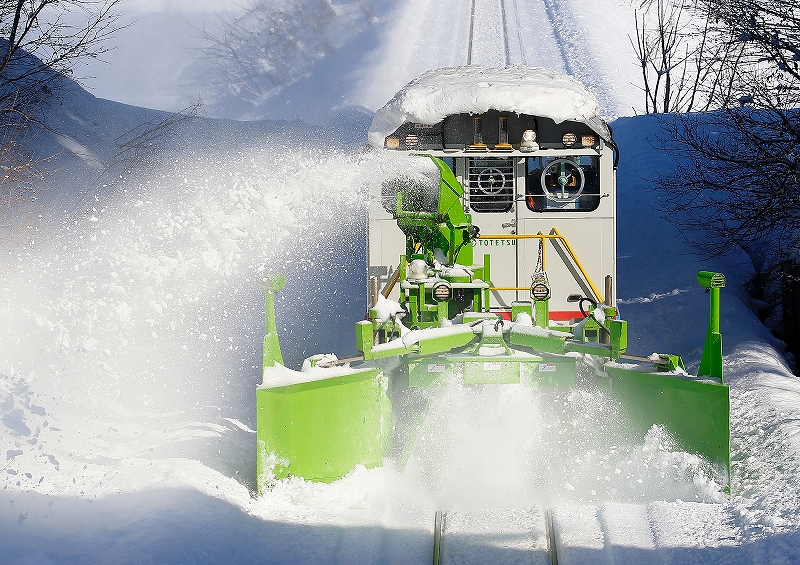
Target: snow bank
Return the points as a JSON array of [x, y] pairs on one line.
[[152, 296], [430, 98]]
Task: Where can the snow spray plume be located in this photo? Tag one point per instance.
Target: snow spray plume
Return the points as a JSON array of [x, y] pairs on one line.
[[515, 446], [141, 323]]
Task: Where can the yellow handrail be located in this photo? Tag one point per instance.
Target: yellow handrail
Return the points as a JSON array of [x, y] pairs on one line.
[[542, 237]]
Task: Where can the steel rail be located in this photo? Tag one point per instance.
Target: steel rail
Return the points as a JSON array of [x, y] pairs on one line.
[[438, 524], [505, 32], [551, 536], [438, 534], [519, 34], [471, 32]]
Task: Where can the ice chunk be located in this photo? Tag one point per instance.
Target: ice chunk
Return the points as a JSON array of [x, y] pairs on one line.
[[457, 271], [320, 360]]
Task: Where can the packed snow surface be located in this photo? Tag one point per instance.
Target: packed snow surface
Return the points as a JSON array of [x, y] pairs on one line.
[[131, 351], [132, 324], [476, 89]]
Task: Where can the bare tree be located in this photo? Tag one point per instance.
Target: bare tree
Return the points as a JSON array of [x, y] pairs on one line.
[[147, 144], [20, 174], [769, 28], [736, 179], [737, 169], [251, 57], [685, 56], [662, 53], [57, 32], [40, 43]]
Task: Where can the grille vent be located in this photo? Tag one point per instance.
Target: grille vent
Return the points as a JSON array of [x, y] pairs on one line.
[[491, 184]]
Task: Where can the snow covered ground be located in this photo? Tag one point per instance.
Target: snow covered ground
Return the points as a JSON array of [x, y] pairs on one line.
[[151, 64], [131, 333]]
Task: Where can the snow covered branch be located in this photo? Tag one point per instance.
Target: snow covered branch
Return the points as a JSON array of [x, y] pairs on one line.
[[248, 59], [40, 43]]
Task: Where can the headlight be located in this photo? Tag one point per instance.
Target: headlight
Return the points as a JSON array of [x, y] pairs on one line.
[[442, 292], [569, 139]]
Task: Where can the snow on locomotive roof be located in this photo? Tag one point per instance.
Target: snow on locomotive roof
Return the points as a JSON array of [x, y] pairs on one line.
[[430, 98]]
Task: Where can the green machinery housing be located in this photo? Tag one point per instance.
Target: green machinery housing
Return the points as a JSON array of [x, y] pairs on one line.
[[321, 422], [523, 154]]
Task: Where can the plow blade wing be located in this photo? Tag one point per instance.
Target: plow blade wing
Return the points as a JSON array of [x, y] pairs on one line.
[[695, 412], [321, 429]]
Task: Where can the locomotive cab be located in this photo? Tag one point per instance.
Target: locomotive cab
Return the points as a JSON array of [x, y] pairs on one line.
[[542, 194]]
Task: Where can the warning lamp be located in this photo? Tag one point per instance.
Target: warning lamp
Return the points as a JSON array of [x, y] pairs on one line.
[[502, 141], [540, 291], [588, 140], [569, 139], [709, 280], [528, 142], [477, 134], [392, 143], [540, 286], [442, 292]]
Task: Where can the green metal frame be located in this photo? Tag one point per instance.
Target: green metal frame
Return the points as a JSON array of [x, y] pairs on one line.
[[711, 362], [321, 425], [321, 430]]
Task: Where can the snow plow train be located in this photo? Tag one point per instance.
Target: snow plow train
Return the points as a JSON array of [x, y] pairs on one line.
[[484, 267]]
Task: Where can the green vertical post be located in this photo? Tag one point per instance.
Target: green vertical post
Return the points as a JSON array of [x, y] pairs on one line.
[[542, 310], [711, 362], [487, 278], [272, 349]]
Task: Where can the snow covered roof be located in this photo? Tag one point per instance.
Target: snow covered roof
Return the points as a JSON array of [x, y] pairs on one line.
[[430, 98]]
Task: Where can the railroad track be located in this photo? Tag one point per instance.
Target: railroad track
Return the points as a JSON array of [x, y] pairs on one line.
[[605, 533], [478, 12], [496, 536]]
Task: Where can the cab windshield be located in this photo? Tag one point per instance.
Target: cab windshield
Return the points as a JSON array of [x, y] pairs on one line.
[[562, 184]]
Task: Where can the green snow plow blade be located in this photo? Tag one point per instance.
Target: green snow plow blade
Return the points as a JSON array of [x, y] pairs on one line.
[[696, 413], [311, 427], [320, 430], [321, 423]]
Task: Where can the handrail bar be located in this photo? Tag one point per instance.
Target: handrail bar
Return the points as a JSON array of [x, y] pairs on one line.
[[543, 237]]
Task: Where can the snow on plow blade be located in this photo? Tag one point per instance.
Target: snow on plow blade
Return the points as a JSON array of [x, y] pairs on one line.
[[695, 412]]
